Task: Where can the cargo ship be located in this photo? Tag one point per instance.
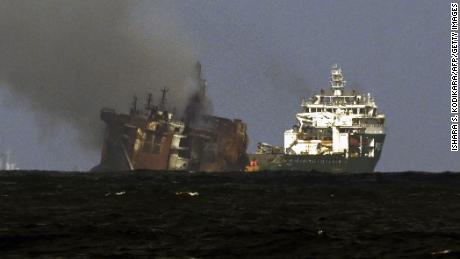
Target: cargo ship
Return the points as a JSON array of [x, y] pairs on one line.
[[151, 138], [337, 130]]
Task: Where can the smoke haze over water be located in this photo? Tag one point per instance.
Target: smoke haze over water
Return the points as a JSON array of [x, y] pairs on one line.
[[65, 60]]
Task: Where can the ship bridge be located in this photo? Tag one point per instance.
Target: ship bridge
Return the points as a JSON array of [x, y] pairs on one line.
[[336, 121]]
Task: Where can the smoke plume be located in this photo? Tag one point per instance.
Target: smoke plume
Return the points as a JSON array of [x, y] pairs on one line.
[[68, 59], [199, 103]]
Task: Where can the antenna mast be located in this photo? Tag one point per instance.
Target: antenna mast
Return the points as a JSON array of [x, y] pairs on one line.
[[337, 80], [134, 106], [163, 98], [148, 105], [149, 108]]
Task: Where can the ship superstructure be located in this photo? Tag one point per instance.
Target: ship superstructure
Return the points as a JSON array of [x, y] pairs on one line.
[[337, 131]]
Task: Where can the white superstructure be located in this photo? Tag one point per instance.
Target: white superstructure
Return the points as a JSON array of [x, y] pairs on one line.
[[337, 122]]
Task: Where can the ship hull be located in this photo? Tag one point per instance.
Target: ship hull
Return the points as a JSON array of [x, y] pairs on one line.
[[325, 163], [335, 163]]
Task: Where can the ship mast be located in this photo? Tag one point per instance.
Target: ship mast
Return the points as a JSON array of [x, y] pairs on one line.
[[337, 80], [163, 98], [148, 105], [150, 109], [133, 110]]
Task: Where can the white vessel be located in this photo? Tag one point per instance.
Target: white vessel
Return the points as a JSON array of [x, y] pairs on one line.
[[336, 131]]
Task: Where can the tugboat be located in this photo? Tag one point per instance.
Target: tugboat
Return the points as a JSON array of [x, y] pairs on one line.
[[337, 131]]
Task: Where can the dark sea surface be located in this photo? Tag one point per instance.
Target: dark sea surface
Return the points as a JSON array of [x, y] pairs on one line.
[[228, 215]]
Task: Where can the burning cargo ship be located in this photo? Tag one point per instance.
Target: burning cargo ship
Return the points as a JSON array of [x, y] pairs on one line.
[[337, 131], [152, 139]]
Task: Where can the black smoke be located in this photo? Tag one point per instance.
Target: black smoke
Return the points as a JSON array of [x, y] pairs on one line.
[[67, 59], [199, 103]]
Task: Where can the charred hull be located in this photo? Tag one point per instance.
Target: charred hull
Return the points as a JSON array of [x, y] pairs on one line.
[[218, 144], [152, 139], [159, 142]]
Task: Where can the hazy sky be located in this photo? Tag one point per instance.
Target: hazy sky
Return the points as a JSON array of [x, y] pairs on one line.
[[260, 57]]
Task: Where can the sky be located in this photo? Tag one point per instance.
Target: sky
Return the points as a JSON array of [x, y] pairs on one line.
[[261, 57]]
